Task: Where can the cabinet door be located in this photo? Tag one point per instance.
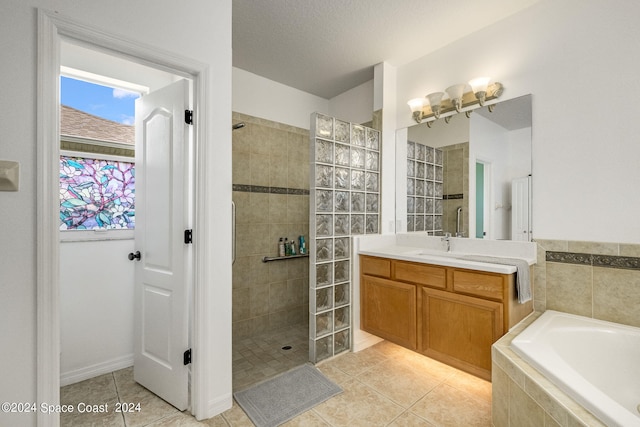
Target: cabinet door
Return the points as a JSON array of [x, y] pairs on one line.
[[459, 330], [388, 310]]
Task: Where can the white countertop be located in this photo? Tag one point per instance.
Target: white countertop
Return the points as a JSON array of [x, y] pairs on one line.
[[449, 259]]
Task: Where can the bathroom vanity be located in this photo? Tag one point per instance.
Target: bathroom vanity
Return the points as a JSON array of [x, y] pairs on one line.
[[441, 306]]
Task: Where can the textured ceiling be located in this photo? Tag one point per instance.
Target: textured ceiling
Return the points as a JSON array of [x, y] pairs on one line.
[[326, 47]]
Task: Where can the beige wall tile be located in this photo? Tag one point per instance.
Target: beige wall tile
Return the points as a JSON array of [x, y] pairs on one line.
[[253, 239], [501, 383], [278, 169], [278, 271], [616, 295], [243, 206], [593, 248], [553, 245], [523, 410], [629, 250], [259, 300], [569, 288], [241, 168], [546, 400], [242, 139], [278, 298], [242, 272], [259, 169], [277, 209], [240, 304], [258, 208]]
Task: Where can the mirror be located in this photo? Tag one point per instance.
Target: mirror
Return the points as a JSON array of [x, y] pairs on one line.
[[470, 177]]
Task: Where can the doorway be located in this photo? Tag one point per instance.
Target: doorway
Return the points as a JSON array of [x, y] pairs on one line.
[[120, 320], [54, 31], [483, 200]]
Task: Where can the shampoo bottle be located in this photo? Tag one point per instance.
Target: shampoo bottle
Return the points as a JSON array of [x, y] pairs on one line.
[[281, 247], [302, 245]]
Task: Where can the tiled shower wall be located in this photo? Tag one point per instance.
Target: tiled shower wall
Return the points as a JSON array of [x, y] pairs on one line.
[[345, 199], [593, 279], [271, 193], [456, 187]]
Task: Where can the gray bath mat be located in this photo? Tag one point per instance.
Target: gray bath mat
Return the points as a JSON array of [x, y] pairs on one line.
[[279, 399]]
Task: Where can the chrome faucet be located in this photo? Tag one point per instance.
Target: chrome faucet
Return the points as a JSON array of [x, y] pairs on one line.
[[447, 238]]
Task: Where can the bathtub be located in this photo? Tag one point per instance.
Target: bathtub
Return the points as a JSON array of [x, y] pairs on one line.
[[595, 362]]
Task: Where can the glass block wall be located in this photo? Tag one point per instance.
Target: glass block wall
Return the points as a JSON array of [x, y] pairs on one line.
[[344, 201], [424, 188]]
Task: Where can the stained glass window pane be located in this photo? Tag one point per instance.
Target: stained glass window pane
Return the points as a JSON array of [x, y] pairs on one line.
[[96, 194]]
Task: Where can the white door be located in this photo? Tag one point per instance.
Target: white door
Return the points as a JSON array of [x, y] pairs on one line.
[[162, 215], [520, 209]]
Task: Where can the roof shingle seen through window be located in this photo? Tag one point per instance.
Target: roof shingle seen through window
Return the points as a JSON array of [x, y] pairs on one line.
[[84, 125]]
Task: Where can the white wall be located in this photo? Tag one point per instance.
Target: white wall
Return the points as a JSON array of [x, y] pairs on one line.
[[489, 143], [567, 55], [162, 24], [96, 309], [355, 105], [260, 97], [267, 99]]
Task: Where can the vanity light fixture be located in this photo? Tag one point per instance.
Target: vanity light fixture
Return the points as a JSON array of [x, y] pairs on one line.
[[481, 92], [434, 102], [416, 105], [479, 88], [455, 93]]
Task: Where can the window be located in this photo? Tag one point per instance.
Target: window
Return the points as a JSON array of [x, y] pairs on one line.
[[97, 169]]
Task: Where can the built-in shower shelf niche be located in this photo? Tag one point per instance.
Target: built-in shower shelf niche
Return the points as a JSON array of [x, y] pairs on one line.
[[344, 201]]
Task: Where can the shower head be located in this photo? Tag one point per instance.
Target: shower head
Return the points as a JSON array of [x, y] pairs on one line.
[[238, 126]]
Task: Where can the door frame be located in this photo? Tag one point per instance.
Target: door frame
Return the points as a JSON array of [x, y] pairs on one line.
[[52, 28]]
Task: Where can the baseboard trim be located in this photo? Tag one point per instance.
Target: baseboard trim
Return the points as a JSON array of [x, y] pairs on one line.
[[219, 405], [77, 375], [362, 340]]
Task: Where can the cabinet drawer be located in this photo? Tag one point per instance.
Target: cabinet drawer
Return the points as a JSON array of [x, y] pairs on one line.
[[479, 284], [375, 266], [421, 274]]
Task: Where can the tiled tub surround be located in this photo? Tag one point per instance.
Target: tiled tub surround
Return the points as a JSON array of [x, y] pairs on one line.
[[345, 201], [593, 361], [271, 193], [592, 279], [521, 396]]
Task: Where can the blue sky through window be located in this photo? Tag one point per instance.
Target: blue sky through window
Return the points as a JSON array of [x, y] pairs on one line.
[[110, 103]]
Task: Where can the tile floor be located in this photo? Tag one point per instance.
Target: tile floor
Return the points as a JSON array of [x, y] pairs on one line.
[[260, 357], [384, 385]]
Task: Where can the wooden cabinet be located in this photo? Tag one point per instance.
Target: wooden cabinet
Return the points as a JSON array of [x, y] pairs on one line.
[[450, 314], [459, 330], [390, 310]]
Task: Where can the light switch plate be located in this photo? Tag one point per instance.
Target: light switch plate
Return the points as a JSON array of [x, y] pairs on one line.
[[9, 175]]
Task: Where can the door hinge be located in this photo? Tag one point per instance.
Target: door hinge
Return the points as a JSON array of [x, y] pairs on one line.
[[188, 117], [188, 236], [186, 357]]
